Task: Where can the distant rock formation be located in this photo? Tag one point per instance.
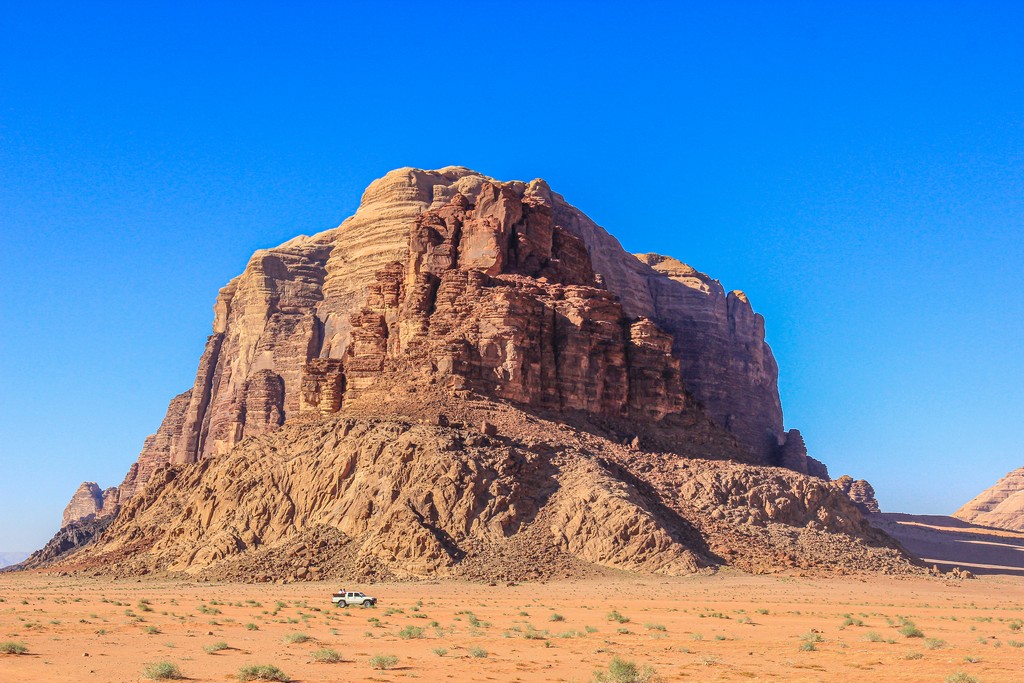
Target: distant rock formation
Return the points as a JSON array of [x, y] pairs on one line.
[[860, 492], [90, 501], [1001, 506], [449, 286]]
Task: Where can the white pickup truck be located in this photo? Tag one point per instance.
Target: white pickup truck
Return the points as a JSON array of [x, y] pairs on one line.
[[345, 598]]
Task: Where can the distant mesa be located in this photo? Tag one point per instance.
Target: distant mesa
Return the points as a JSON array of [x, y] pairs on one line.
[[469, 377], [1000, 506]]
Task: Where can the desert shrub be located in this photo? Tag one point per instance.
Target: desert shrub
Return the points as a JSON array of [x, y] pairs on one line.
[[327, 656], [934, 643], [624, 671], [215, 647], [556, 617], [383, 661], [655, 627], [252, 627], [296, 638], [960, 677], [908, 630], [873, 637], [440, 651], [162, 671], [410, 632], [152, 630], [478, 652], [262, 672], [12, 648], [615, 616], [913, 655]]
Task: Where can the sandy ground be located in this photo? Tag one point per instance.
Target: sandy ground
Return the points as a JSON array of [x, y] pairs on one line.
[[725, 627]]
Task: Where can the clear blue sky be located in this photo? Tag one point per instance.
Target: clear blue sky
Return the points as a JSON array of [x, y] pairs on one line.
[[857, 168]]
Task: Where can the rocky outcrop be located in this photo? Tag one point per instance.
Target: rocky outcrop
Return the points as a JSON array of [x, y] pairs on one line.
[[90, 501], [392, 498], [403, 273], [1001, 506], [74, 536], [448, 284], [860, 492], [156, 450]]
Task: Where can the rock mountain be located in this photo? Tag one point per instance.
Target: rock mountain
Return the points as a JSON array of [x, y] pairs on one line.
[[470, 377], [1001, 506]]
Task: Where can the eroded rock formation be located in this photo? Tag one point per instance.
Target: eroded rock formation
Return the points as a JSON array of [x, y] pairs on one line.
[[860, 492], [451, 285], [90, 501], [1001, 506], [390, 498]]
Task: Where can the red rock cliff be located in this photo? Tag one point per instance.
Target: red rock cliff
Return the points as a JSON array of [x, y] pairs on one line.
[[477, 285]]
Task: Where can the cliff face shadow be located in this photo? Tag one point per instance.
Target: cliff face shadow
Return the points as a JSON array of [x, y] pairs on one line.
[[949, 542]]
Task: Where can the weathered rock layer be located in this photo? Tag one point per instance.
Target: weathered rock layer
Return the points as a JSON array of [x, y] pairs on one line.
[[350, 496], [448, 285], [1001, 506]]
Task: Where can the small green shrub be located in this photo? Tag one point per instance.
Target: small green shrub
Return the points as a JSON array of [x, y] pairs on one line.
[[440, 651], [556, 617], [624, 671], [908, 630], [410, 632], [327, 656], [262, 672], [292, 638], [12, 648], [960, 677], [933, 643], [478, 652], [152, 630], [615, 616], [383, 661], [215, 647], [162, 671]]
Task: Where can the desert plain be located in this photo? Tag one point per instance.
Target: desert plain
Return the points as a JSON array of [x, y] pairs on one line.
[[725, 626]]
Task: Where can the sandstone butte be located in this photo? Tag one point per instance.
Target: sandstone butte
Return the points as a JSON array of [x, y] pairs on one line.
[[1001, 506], [471, 378]]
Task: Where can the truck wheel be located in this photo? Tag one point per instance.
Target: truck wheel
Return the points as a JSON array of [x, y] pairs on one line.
[[366, 603]]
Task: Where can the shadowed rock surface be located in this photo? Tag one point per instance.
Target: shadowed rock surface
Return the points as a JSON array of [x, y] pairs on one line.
[[950, 543]]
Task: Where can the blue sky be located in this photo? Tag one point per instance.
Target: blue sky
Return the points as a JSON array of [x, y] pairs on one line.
[[857, 168]]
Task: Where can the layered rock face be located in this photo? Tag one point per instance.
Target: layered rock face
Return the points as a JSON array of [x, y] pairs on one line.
[[449, 283], [391, 498], [502, 287], [1001, 506], [90, 501]]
